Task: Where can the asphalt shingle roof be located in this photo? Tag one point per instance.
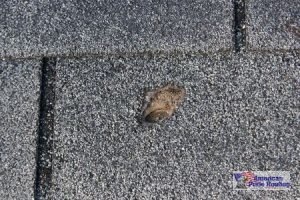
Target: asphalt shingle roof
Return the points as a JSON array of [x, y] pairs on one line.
[[19, 103], [73, 78]]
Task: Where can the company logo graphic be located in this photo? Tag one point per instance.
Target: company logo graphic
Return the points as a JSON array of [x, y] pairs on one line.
[[261, 180]]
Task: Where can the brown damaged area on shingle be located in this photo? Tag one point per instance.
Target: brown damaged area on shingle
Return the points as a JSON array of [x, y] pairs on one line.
[[163, 103], [293, 28]]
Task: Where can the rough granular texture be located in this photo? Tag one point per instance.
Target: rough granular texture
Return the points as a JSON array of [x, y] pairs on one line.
[[19, 93], [273, 24], [35, 28], [240, 113]]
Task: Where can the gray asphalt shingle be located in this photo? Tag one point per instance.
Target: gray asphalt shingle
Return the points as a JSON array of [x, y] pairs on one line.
[[31, 28], [19, 93], [273, 24], [240, 113]]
